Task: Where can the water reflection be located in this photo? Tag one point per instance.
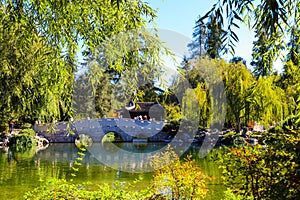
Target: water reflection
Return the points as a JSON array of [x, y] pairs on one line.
[[20, 172], [66, 153], [58, 161]]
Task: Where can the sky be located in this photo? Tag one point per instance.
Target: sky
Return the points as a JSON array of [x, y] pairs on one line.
[[179, 16]]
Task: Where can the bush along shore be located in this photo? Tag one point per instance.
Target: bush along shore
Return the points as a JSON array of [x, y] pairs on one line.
[[22, 139]]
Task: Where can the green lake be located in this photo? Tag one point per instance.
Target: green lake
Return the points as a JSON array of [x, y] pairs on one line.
[[22, 172]]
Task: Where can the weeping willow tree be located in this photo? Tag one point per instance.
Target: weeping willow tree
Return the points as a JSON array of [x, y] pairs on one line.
[[238, 80], [40, 41], [250, 99], [268, 101], [35, 80], [289, 82], [290, 77], [247, 99], [205, 77], [203, 98]]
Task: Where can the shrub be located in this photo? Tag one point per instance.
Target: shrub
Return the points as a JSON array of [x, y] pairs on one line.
[[265, 172], [178, 179], [61, 189], [230, 195], [25, 125], [27, 131], [25, 139]]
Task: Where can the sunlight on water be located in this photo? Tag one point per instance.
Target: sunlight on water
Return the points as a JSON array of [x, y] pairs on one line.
[[21, 172]]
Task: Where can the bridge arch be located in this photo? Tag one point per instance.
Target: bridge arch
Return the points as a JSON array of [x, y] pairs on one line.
[[112, 136]]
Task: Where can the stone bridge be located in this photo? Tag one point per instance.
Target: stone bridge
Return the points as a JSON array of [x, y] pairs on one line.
[[125, 128]]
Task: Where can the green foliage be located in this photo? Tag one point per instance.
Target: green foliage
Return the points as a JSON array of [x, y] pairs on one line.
[[205, 77], [196, 46], [294, 47], [230, 195], [262, 61], [173, 112], [207, 39], [61, 189], [271, 21], [233, 139], [27, 131], [265, 172], [83, 99], [109, 137], [238, 80], [289, 82], [38, 94], [290, 124], [26, 126], [268, 101], [24, 141], [103, 96], [173, 179], [201, 92], [213, 44], [40, 43], [247, 99], [190, 107], [21, 141], [178, 179]]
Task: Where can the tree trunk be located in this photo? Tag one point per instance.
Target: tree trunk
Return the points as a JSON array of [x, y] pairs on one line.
[[238, 124]]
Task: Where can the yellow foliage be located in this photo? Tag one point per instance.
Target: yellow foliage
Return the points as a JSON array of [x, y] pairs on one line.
[[178, 179]]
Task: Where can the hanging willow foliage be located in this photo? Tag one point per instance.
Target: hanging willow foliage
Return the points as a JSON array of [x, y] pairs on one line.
[[40, 41], [271, 20], [247, 99], [268, 101]]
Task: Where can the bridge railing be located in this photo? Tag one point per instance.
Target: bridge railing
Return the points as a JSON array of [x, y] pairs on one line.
[[127, 128]]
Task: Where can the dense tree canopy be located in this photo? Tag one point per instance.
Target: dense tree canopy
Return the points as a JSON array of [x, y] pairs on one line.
[[40, 41], [262, 99], [238, 80], [247, 99], [34, 79]]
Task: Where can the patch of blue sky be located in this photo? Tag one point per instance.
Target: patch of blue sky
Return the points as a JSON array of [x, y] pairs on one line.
[[180, 16]]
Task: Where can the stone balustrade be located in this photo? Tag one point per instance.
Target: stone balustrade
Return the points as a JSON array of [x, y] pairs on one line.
[[126, 128]]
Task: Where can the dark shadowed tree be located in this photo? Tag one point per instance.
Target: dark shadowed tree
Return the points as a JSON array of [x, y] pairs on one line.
[[238, 59]]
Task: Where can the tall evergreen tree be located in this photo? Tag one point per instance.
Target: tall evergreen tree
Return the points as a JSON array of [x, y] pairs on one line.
[[213, 43], [196, 47], [207, 39]]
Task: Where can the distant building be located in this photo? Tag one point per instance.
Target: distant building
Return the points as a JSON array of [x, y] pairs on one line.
[[144, 110]]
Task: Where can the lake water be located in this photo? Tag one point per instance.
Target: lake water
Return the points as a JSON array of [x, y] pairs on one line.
[[22, 172]]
